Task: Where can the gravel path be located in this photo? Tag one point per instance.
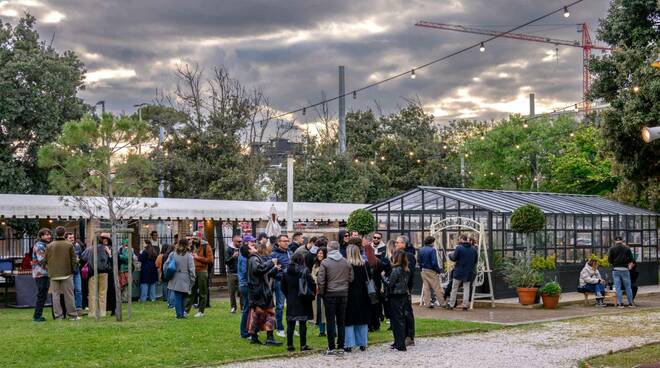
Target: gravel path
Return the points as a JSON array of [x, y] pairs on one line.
[[554, 344]]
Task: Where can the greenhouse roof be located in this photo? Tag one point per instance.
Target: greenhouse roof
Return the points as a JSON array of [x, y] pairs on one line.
[[502, 201]]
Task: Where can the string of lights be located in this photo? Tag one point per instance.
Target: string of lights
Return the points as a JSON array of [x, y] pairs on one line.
[[411, 72]]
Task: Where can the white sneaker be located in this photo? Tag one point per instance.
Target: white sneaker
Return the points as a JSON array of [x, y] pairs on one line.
[[280, 333], [295, 333], [199, 314]]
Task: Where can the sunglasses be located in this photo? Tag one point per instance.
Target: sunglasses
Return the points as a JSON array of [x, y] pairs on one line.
[[377, 238], [346, 236]]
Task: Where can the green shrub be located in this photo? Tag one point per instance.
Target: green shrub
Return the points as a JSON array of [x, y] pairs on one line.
[[552, 288], [541, 263], [361, 221], [527, 219], [520, 274], [602, 261]]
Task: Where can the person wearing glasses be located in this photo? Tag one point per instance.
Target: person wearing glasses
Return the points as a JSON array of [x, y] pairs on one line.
[[343, 237]]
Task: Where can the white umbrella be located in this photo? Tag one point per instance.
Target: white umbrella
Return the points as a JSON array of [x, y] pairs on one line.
[[273, 228]]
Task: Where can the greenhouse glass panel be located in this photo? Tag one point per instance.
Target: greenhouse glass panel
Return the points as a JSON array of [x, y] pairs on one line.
[[395, 223], [414, 222]]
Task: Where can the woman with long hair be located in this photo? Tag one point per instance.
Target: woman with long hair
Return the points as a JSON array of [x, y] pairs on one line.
[[148, 272], [298, 302], [397, 289], [357, 307], [184, 277], [319, 309], [261, 270]]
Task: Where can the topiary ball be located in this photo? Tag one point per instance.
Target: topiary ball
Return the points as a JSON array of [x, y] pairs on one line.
[[527, 219], [361, 221]]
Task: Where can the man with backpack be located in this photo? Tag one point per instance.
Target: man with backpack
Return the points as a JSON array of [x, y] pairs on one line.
[[40, 273], [203, 256]]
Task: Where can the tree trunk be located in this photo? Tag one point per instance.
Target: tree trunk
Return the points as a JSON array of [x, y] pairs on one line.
[[95, 253], [115, 271]]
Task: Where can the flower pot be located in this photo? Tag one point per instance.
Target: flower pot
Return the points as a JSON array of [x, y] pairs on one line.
[[526, 296], [550, 301]]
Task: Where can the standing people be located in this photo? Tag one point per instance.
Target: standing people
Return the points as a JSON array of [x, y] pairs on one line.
[[621, 259], [148, 273], [104, 265], [333, 278], [299, 302], [319, 309], [376, 309], [160, 261], [184, 277], [40, 273], [403, 244], [231, 261], [125, 256], [397, 291], [358, 303], [428, 262], [465, 257], [202, 254], [153, 238], [61, 261], [242, 272], [343, 237], [305, 250], [77, 278], [283, 256], [261, 269], [296, 241], [377, 243]]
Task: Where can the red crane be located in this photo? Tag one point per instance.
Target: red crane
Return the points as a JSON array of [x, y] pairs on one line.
[[586, 46]]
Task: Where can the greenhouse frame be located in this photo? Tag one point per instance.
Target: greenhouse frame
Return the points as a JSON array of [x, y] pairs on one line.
[[577, 226]]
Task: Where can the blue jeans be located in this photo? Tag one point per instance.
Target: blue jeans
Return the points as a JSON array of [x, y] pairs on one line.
[[622, 276], [77, 289], [170, 298], [598, 289], [280, 298], [179, 303], [244, 310], [356, 335], [148, 290], [320, 319]]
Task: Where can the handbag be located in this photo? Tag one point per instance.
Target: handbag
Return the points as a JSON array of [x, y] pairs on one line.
[[303, 285], [371, 288], [85, 272], [170, 269]]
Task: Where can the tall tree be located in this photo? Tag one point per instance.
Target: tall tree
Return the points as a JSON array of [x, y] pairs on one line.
[[97, 169], [38, 88], [626, 81]]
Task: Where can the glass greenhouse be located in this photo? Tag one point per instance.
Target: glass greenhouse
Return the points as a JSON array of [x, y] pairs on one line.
[[577, 226]]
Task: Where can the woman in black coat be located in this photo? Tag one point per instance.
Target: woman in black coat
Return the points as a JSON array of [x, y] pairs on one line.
[[357, 308], [298, 303], [398, 294], [260, 296]]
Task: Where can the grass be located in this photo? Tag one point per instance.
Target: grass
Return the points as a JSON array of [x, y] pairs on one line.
[[155, 338], [628, 358]]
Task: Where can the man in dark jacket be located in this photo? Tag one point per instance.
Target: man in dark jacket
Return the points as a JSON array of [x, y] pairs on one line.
[[621, 259], [296, 241], [465, 257], [428, 262], [283, 256], [231, 262], [61, 261], [334, 276]]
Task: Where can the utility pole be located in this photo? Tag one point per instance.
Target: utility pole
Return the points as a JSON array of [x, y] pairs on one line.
[[462, 170], [102, 103], [531, 105], [161, 139], [533, 158], [342, 112], [289, 194]]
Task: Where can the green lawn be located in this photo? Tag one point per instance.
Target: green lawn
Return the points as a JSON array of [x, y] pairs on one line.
[[155, 338], [647, 354]]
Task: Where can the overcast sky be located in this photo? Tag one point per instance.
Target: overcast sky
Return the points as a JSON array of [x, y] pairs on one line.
[[291, 49]]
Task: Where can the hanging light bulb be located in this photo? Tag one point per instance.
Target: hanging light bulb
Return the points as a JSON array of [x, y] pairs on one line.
[[636, 89], [482, 48], [354, 95], [371, 162], [304, 111], [357, 161], [566, 13], [411, 153], [517, 146], [482, 138], [525, 125], [572, 135], [412, 74], [382, 158], [444, 147], [419, 161]]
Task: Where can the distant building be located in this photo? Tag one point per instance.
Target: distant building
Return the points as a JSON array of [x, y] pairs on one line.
[[276, 150]]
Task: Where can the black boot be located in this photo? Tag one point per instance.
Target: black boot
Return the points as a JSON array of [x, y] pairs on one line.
[[270, 339], [254, 339]]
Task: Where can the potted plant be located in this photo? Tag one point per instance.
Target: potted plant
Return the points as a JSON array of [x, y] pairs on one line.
[[550, 293], [547, 266], [528, 220], [361, 221], [520, 275]]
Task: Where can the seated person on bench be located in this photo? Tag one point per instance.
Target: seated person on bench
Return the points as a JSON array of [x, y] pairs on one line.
[[591, 282]]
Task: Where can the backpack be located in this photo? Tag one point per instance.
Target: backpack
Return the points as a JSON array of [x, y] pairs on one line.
[[170, 269], [303, 285]]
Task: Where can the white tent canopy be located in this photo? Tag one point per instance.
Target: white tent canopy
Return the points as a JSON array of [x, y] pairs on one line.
[[47, 206]]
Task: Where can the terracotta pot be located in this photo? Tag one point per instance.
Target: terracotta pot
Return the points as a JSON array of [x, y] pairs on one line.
[[526, 296], [550, 301]]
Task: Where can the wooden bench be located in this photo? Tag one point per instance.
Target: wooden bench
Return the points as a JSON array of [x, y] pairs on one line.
[[608, 298]]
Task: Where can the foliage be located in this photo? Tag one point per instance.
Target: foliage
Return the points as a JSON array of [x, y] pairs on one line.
[[642, 356], [541, 263], [602, 261], [527, 219], [361, 221], [552, 288], [155, 323], [514, 153], [38, 88], [520, 274], [582, 165], [385, 156], [625, 79]]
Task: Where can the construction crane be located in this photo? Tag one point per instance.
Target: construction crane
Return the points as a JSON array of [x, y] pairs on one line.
[[586, 46]]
